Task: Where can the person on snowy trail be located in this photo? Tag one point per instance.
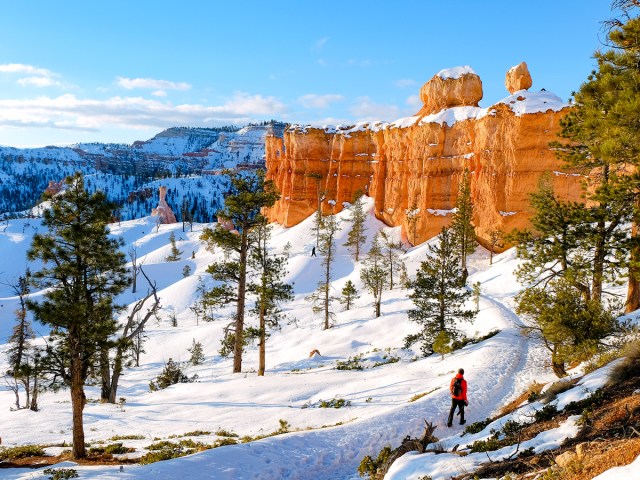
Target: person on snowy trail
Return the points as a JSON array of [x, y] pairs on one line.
[[458, 389]]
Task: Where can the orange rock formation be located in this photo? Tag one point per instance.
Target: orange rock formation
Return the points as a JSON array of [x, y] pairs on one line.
[[163, 210], [412, 167]]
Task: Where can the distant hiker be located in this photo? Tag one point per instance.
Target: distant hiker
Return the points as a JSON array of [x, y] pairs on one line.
[[313, 251], [458, 389]]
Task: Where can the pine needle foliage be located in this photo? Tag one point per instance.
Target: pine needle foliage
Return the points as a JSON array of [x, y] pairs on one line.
[[438, 295]]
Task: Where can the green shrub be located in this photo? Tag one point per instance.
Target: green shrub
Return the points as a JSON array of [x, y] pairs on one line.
[[352, 363], [490, 444], [630, 366], [197, 433], [545, 413], [127, 437], [593, 400], [118, 448], [170, 375], [24, 451], [225, 433], [335, 403], [477, 427], [60, 473], [160, 455], [224, 441], [369, 466]]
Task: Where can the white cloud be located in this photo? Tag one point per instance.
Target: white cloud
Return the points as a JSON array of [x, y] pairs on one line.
[[25, 69], [38, 82], [405, 82], [151, 83], [38, 77], [159, 93], [313, 100], [70, 112], [366, 110]]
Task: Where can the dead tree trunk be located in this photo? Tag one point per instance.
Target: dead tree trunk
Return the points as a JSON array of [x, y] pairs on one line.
[[408, 445]]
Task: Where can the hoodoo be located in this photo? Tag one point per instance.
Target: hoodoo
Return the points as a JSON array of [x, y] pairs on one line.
[[163, 210], [415, 164]]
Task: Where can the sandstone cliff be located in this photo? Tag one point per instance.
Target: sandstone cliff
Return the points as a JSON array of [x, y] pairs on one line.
[[414, 165], [163, 210]]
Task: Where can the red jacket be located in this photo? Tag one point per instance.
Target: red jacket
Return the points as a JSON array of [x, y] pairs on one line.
[[463, 395]]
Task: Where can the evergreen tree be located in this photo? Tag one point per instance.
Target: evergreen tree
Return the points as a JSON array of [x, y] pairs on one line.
[[356, 237], [175, 253], [571, 327], [269, 288], [349, 294], [603, 129], [197, 355], [438, 295], [442, 344], [249, 193], [375, 273], [392, 251], [462, 229], [21, 368], [322, 297], [170, 375], [495, 240], [82, 270]]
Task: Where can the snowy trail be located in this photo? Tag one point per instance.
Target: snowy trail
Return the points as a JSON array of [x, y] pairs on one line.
[[381, 414]]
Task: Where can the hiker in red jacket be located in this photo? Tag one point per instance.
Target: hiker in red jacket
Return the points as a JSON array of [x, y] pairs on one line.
[[458, 389]]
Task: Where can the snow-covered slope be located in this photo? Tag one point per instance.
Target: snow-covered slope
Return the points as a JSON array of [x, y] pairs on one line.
[[324, 443], [122, 169]]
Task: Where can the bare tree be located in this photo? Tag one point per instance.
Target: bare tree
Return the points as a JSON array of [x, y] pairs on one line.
[[133, 328]]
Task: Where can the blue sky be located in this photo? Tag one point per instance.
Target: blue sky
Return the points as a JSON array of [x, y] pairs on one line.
[[119, 71]]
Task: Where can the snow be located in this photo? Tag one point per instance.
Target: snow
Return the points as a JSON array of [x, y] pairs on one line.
[[455, 72], [628, 471], [524, 102], [324, 442]]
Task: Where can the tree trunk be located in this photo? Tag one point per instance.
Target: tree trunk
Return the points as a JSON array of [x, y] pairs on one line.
[[633, 290], [598, 263], [262, 346], [558, 369], [115, 376], [242, 287], [78, 401], [491, 255], [105, 375]]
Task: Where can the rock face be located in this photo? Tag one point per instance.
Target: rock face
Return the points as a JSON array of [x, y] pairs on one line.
[[163, 210], [518, 78], [412, 167], [452, 87]]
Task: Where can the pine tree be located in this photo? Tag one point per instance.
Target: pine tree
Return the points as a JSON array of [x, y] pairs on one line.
[[170, 375], [322, 298], [248, 195], [197, 355], [175, 253], [438, 295], [571, 327], [269, 289], [356, 236], [462, 229], [349, 294], [603, 129], [374, 274], [495, 240], [392, 251], [442, 343], [83, 270]]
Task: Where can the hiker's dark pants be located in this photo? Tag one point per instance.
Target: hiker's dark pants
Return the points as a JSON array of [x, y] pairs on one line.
[[456, 403]]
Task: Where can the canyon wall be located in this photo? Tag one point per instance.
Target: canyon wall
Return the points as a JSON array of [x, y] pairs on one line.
[[413, 166]]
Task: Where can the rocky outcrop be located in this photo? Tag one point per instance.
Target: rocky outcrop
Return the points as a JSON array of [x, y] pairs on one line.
[[518, 78], [452, 87], [163, 210], [412, 167]]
